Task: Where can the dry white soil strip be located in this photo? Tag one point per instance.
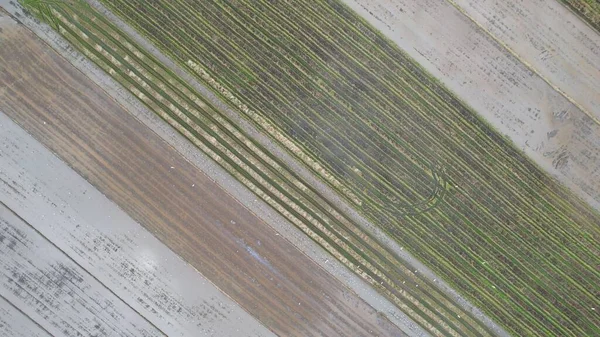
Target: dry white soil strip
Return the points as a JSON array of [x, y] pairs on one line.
[[551, 39], [15, 323], [83, 264], [549, 128], [51, 289]]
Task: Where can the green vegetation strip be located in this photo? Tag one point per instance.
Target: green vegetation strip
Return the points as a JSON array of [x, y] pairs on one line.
[[381, 132], [588, 10]]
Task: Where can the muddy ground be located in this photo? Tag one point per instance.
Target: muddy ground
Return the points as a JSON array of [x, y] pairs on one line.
[[549, 38], [174, 200]]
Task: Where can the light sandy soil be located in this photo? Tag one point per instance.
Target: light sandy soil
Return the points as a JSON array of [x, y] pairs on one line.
[[52, 289], [60, 208], [15, 323], [174, 200], [551, 39], [549, 128]]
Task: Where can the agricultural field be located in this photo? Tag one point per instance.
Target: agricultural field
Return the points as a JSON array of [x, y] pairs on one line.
[[401, 277], [350, 245], [376, 128], [246, 264], [381, 132], [81, 246]]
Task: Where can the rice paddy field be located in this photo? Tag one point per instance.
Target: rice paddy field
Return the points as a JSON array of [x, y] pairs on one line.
[[387, 137]]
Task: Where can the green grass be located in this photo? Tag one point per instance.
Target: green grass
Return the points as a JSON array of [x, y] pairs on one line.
[[385, 135]]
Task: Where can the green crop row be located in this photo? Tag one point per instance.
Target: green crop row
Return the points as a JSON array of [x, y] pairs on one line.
[[390, 139]]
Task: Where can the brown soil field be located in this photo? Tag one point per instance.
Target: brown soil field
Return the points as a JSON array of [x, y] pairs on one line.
[[175, 201]]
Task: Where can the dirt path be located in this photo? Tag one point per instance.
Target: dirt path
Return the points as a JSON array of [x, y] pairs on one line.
[[175, 201]]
